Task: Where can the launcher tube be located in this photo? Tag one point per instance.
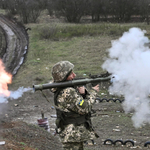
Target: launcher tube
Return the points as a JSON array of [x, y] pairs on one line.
[[69, 83]]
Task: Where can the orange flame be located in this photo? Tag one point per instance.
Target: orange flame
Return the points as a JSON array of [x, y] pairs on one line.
[[5, 78]]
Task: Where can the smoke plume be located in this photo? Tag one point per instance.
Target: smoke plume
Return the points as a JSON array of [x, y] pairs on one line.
[[14, 94], [129, 62]]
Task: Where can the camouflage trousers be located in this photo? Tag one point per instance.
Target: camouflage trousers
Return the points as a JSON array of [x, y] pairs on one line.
[[73, 146]]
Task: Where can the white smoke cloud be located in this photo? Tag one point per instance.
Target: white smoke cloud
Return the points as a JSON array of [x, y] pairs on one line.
[[14, 94], [129, 61]]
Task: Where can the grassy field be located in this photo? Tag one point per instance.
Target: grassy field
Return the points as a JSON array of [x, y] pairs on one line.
[[85, 45]]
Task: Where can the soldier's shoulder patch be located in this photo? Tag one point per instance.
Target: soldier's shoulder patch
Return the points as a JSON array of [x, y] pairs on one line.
[[81, 102]]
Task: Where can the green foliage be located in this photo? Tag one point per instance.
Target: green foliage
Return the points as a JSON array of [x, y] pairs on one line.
[[48, 32], [2, 11], [56, 31], [22, 143]]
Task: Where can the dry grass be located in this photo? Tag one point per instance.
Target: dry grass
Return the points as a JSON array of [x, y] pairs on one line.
[[88, 54]]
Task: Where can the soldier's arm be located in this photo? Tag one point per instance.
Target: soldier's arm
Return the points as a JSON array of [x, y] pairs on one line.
[[70, 100], [89, 94]]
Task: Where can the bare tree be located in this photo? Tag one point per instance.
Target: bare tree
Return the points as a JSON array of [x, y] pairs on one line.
[[106, 9], [43, 4], [3, 4], [72, 10], [50, 7], [144, 9], [10, 6], [95, 7], [28, 10], [123, 9], [120, 10]]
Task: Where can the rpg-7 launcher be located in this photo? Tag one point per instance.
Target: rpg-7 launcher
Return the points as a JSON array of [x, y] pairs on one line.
[[93, 79]]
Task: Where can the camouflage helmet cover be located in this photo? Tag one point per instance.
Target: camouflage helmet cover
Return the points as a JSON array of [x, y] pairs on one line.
[[61, 70]]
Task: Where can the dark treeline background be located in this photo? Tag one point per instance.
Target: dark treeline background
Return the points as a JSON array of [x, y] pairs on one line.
[[74, 10]]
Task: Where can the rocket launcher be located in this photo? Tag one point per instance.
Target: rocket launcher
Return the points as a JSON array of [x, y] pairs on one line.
[[95, 79]]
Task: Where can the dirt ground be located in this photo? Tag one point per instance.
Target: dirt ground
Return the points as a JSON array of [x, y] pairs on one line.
[[19, 128]]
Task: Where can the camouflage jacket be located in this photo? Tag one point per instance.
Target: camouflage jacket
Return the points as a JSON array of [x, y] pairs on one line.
[[70, 100]]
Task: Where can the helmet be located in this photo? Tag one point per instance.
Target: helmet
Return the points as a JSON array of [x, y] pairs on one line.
[[61, 70]]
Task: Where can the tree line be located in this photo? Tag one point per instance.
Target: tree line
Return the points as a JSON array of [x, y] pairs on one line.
[[74, 10]]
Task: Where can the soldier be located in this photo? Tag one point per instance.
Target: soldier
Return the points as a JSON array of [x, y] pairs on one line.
[[73, 108]]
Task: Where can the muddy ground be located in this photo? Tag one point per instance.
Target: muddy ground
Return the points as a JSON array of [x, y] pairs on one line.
[[19, 128]]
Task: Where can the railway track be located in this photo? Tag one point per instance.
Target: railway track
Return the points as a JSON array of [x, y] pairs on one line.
[[17, 44]]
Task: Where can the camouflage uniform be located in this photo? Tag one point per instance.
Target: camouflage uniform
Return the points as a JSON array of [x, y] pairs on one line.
[[73, 111]]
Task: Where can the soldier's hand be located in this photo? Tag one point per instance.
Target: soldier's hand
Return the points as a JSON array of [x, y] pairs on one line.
[[96, 87], [81, 90]]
